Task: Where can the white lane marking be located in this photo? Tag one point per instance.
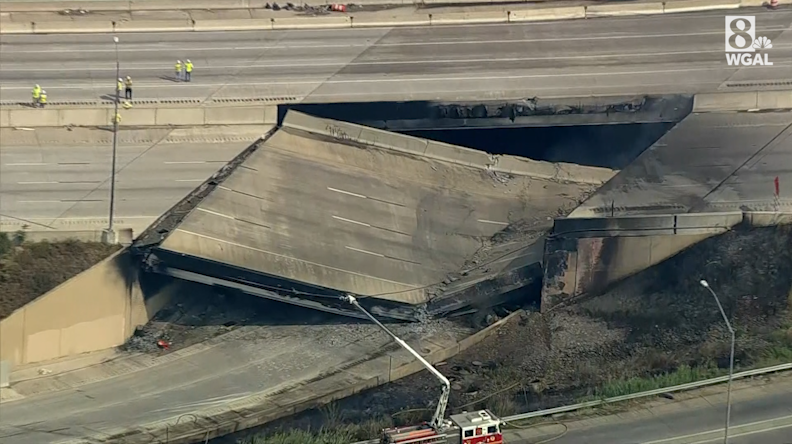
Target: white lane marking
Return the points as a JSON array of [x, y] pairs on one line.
[[693, 435], [485, 221], [348, 193], [738, 435], [40, 201], [692, 15], [272, 253], [245, 67], [322, 80], [215, 213], [319, 45], [351, 221], [185, 162], [364, 251], [189, 180], [36, 183], [26, 164]]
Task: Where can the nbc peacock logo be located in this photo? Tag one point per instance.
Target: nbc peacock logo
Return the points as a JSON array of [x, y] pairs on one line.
[[762, 43], [743, 47]]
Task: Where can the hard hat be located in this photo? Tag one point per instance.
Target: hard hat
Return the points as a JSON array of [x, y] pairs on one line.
[[37, 86], [178, 61], [188, 60], [129, 77], [119, 79], [43, 92]]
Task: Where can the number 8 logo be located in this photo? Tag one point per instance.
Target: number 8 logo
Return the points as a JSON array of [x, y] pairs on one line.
[[740, 33]]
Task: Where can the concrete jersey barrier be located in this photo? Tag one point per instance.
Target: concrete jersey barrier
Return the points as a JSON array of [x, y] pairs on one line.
[[361, 20], [160, 116], [742, 101]]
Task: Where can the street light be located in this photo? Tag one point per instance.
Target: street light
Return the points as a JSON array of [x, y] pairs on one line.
[[110, 236], [706, 285]]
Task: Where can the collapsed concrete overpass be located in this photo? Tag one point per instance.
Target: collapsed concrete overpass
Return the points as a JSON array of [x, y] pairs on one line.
[[320, 208], [727, 163]]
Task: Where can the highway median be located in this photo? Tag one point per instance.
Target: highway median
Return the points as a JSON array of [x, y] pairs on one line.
[[127, 20]]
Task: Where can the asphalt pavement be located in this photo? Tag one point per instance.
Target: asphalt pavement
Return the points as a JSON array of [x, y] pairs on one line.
[[58, 178], [762, 415], [631, 55]]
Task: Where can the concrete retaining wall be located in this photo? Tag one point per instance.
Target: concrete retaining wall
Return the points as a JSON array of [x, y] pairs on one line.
[[585, 256], [159, 116], [337, 21], [742, 101], [95, 310], [345, 131], [125, 235]]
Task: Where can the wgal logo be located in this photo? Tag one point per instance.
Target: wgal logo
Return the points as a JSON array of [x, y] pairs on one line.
[[742, 44]]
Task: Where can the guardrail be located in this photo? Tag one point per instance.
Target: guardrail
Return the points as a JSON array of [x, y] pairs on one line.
[[660, 391], [620, 9]]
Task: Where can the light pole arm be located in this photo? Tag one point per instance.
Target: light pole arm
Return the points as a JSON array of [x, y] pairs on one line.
[[720, 308]]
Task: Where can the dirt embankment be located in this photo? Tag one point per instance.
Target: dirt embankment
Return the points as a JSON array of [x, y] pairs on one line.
[[652, 323], [30, 269]]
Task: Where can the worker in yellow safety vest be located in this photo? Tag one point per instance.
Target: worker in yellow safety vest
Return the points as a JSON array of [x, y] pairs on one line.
[[117, 118], [43, 98], [36, 95], [188, 67], [119, 87], [128, 88], [178, 70]]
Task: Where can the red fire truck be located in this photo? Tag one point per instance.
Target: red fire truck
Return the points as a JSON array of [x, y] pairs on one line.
[[481, 427]]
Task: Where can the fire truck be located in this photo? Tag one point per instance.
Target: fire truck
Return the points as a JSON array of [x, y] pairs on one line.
[[480, 427]]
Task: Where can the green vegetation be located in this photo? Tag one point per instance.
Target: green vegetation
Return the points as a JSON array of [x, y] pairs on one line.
[[342, 436], [30, 269]]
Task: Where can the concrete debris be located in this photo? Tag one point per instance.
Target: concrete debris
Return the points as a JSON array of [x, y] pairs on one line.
[[532, 107], [145, 340]]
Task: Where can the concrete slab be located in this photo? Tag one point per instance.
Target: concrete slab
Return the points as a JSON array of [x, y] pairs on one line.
[[339, 208], [709, 162]]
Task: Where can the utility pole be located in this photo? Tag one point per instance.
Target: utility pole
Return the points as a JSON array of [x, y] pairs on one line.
[[706, 285], [110, 234]]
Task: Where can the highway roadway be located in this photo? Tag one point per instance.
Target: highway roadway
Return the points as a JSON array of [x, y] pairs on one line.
[[59, 179], [654, 54], [760, 415]]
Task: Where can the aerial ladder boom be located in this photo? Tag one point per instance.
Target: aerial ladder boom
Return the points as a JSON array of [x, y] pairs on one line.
[[438, 420]]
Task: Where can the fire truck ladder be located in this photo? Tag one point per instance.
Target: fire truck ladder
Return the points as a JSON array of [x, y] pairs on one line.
[[438, 421]]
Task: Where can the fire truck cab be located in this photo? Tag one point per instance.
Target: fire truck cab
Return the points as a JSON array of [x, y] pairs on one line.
[[481, 427]]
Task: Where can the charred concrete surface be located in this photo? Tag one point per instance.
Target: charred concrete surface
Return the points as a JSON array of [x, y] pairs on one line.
[[528, 112], [710, 173], [709, 162], [321, 208]]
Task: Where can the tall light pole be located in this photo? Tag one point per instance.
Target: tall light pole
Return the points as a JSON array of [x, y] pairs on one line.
[[111, 237], [706, 285]]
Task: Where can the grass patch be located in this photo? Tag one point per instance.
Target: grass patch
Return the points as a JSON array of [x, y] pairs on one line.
[[338, 436], [778, 352], [683, 375], [30, 269]]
